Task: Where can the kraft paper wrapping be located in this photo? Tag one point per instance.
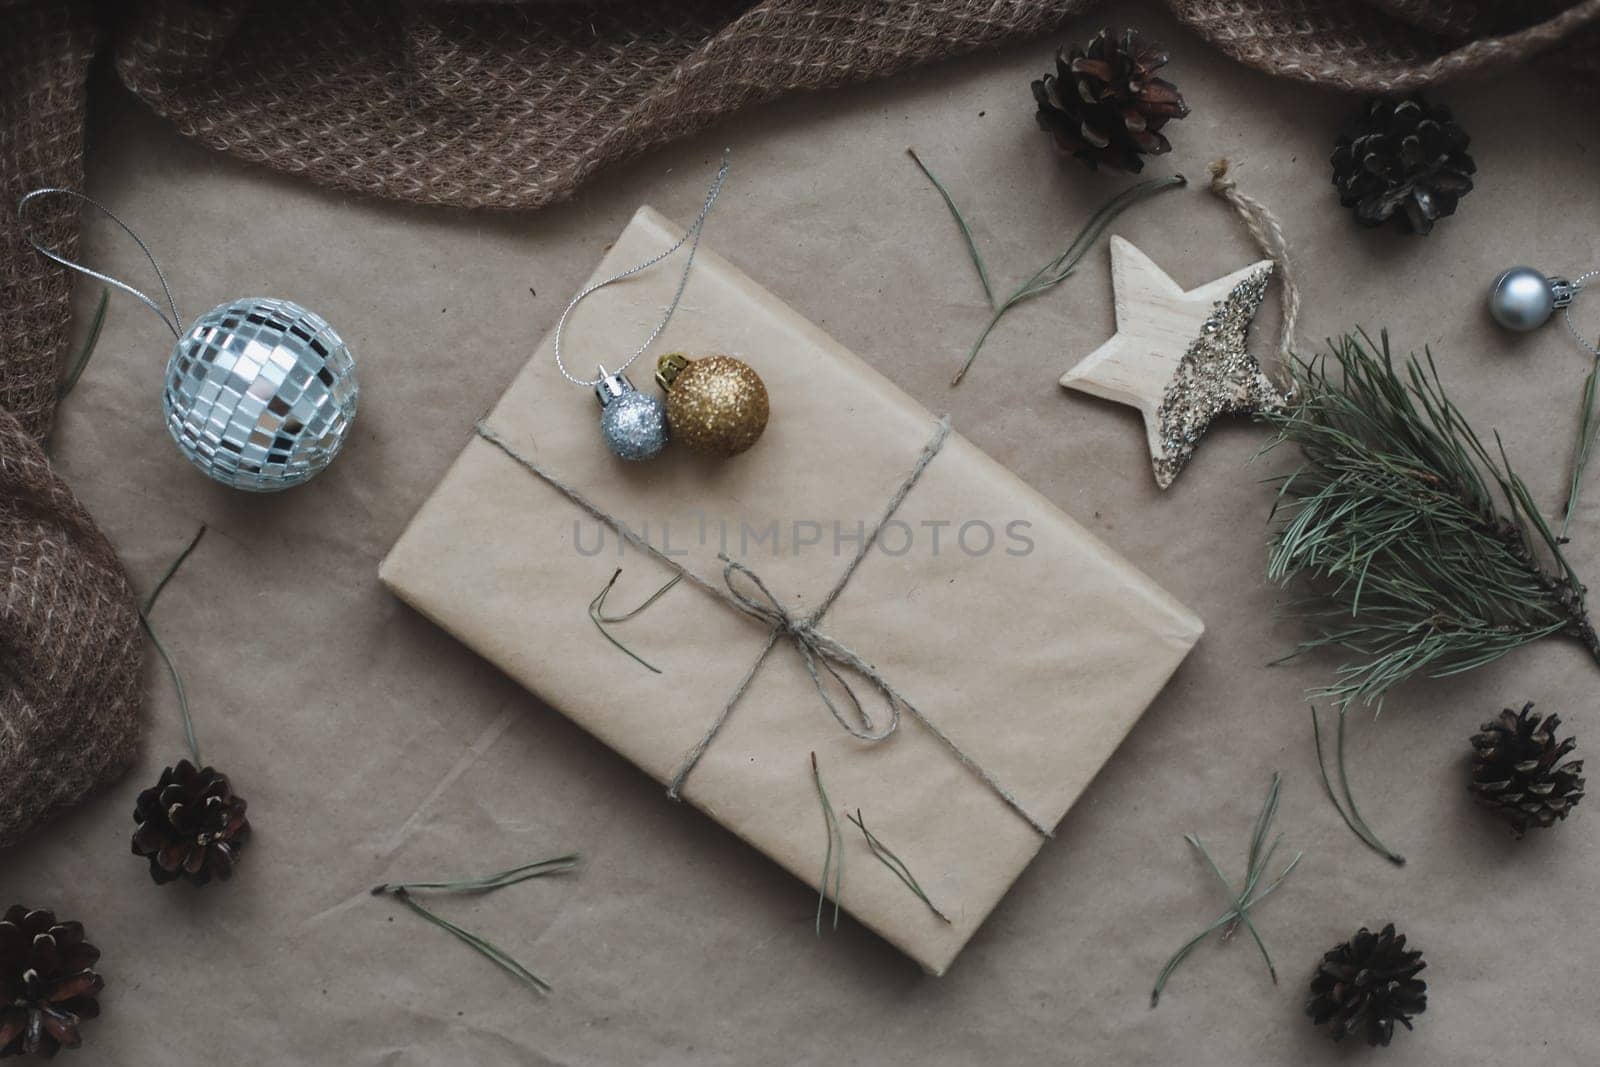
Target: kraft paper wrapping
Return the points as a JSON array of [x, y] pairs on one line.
[[1026, 640]]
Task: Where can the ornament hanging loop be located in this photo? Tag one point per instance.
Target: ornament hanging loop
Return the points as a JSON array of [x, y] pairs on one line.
[[691, 236], [608, 386], [174, 322], [1268, 233], [1564, 292]]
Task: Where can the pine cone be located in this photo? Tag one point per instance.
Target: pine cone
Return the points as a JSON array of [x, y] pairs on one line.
[[1368, 984], [1514, 769], [1105, 105], [47, 983], [1405, 160], [191, 825]]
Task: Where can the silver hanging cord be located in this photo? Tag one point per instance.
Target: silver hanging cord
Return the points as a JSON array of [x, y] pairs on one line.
[[691, 235], [175, 323], [1575, 287]]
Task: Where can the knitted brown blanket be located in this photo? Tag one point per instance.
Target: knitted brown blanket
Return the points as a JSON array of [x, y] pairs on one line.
[[479, 104], [70, 646]]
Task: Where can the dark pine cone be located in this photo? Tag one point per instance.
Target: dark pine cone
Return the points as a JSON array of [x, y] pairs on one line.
[[1514, 769], [1368, 984], [1405, 160], [1105, 105], [47, 983], [190, 825]]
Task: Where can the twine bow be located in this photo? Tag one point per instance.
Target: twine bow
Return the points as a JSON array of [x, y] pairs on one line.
[[820, 652], [816, 648]]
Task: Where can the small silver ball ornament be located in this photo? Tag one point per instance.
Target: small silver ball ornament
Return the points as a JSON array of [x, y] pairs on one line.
[[1523, 299], [634, 424], [260, 394]]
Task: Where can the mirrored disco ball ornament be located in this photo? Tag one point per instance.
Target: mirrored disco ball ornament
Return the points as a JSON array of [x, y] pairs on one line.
[[260, 394]]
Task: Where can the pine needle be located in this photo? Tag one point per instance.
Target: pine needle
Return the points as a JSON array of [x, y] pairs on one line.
[[1423, 551], [1588, 430], [487, 882], [161, 649], [894, 863], [601, 619], [1251, 893], [490, 951], [1052, 273], [402, 891], [833, 859], [1352, 819], [961, 222], [81, 360], [172, 569]]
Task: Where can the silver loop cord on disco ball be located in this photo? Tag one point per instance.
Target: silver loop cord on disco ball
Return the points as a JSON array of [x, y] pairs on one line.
[[260, 393]]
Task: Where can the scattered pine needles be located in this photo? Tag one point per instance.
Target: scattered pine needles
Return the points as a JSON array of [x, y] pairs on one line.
[[1352, 818], [894, 863], [601, 620], [1052, 273], [172, 668], [402, 891], [1588, 430], [833, 859], [81, 360], [1251, 893]]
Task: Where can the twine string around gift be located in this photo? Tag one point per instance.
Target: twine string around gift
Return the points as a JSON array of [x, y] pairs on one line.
[[173, 323], [692, 236], [823, 655]]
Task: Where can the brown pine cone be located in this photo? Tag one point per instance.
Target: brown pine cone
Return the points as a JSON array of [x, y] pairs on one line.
[[1514, 769], [1368, 984], [1402, 160], [47, 983], [1104, 104], [191, 825]]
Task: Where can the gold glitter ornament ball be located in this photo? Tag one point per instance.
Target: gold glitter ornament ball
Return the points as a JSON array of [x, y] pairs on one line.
[[716, 405]]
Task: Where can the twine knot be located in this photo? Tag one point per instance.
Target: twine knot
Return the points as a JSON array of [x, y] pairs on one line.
[[1268, 233], [820, 652], [1220, 182]]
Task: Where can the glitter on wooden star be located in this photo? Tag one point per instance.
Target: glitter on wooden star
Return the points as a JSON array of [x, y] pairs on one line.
[[1179, 356]]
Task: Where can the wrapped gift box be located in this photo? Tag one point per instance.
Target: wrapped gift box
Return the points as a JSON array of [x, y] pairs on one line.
[[1010, 629]]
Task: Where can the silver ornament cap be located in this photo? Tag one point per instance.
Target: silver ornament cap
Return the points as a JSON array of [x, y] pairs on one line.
[[260, 394], [1523, 299], [633, 424]]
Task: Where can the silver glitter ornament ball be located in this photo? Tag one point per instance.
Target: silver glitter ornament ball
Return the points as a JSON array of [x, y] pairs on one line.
[[1522, 299], [260, 394], [634, 424]]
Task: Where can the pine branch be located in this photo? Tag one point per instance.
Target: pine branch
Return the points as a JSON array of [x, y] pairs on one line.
[[1423, 550]]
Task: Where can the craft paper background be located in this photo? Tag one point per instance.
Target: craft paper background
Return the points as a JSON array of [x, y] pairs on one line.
[[373, 746]]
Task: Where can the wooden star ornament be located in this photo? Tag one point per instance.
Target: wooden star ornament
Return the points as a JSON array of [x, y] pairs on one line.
[[1179, 356]]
